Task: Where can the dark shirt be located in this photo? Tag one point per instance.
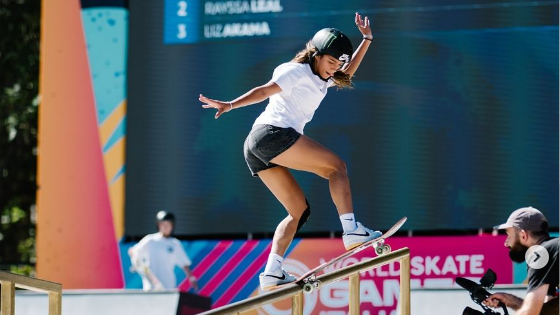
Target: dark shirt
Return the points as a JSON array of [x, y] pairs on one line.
[[549, 273]]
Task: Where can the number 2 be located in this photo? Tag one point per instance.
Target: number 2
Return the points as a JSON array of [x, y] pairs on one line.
[[182, 8]]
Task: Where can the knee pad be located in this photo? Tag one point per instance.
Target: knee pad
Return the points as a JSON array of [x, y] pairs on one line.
[[304, 216]]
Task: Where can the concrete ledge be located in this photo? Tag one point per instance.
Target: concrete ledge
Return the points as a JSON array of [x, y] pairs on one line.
[[106, 302], [136, 302]]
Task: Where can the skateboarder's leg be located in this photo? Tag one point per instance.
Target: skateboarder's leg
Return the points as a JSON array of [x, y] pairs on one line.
[[309, 155], [283, 185]]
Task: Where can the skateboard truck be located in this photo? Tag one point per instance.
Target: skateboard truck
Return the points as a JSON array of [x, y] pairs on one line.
[[381, 248], [311, 284]]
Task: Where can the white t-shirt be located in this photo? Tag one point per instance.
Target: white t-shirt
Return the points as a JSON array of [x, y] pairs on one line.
[[302, 93], [161, 255]]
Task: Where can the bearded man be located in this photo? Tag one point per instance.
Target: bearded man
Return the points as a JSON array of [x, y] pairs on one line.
[[527, 233]]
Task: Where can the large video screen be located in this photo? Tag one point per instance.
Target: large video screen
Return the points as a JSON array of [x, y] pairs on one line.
[[452, 121]]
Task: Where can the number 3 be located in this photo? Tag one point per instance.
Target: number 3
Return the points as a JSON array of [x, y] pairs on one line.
[[181, 31]]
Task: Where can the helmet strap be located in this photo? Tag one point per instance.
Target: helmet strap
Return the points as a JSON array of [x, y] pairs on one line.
[[312, 65]]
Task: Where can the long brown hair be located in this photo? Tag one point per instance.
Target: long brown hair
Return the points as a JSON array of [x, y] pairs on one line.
[[341, 79]]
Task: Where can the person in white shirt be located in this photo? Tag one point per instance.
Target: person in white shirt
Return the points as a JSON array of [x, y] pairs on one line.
[[156, 256], [276, 142]]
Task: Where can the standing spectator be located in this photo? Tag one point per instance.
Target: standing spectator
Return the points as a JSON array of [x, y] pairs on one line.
[[157, 254]]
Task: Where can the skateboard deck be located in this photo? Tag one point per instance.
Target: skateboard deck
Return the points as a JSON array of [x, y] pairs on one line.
[[307, 279], [142, 267]]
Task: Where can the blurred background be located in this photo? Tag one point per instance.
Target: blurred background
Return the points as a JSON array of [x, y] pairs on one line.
[[452, 122]]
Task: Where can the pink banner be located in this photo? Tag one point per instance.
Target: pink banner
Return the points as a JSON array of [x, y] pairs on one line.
[[435, 262]]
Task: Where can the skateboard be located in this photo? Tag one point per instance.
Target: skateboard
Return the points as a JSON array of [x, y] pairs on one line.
[[308, 280], [142, 267]]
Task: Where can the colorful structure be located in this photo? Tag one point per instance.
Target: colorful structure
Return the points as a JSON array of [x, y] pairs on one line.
[[81, 144]]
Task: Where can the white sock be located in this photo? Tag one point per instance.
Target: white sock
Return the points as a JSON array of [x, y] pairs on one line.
[[348, 222], [274, 262]]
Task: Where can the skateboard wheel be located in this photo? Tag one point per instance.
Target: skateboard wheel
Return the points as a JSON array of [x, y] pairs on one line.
[[308, 288], [317, 285], [379, 250], [386, 249]]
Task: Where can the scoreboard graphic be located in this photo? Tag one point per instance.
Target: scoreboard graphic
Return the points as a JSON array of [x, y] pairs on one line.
[[194, 20]]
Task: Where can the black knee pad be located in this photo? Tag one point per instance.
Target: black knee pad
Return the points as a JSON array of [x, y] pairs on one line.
[[304, 216]]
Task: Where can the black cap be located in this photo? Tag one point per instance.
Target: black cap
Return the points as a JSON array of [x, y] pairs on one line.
[[165, 216], [333, 42]]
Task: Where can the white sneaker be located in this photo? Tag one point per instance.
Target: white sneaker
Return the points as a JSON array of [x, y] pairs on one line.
[[269, 281], [359, 236]]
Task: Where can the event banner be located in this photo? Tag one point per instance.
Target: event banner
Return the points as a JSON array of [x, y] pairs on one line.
[[228, 270], [435, 262]]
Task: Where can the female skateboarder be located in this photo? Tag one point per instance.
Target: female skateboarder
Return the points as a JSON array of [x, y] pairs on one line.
[[276, 142]]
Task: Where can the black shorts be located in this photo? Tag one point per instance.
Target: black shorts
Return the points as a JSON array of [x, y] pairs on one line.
[[264, 143]]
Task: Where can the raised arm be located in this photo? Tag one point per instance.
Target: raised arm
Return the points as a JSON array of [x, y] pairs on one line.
[[255, 95], [364, 27]]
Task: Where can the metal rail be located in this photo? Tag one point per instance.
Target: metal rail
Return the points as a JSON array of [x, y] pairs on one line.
[[10, 281], [352, 272]]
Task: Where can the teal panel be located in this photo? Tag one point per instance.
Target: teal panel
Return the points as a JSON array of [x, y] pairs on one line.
[[106, 31]]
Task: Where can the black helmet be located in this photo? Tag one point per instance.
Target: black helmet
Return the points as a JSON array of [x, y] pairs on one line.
[[333, 42], [165, 216]]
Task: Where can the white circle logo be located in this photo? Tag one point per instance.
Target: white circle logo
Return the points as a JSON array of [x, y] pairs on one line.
[[536, 257]]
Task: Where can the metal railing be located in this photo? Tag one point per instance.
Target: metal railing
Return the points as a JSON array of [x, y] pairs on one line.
[[10, 281], [352, 272]]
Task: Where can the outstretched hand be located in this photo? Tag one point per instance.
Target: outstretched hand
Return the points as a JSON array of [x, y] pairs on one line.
[[363, 24], [222, 107]]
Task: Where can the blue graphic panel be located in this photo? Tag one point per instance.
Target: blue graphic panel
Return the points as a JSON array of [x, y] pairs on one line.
[[106, 31], [181, 21]]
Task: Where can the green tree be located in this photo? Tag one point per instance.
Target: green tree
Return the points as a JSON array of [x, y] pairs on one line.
[[19, 79]]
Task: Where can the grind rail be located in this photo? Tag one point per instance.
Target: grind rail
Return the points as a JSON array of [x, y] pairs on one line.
[[352, 272], [10, 281]]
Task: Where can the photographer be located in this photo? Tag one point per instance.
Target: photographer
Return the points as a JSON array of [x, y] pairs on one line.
[[528, 227]]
